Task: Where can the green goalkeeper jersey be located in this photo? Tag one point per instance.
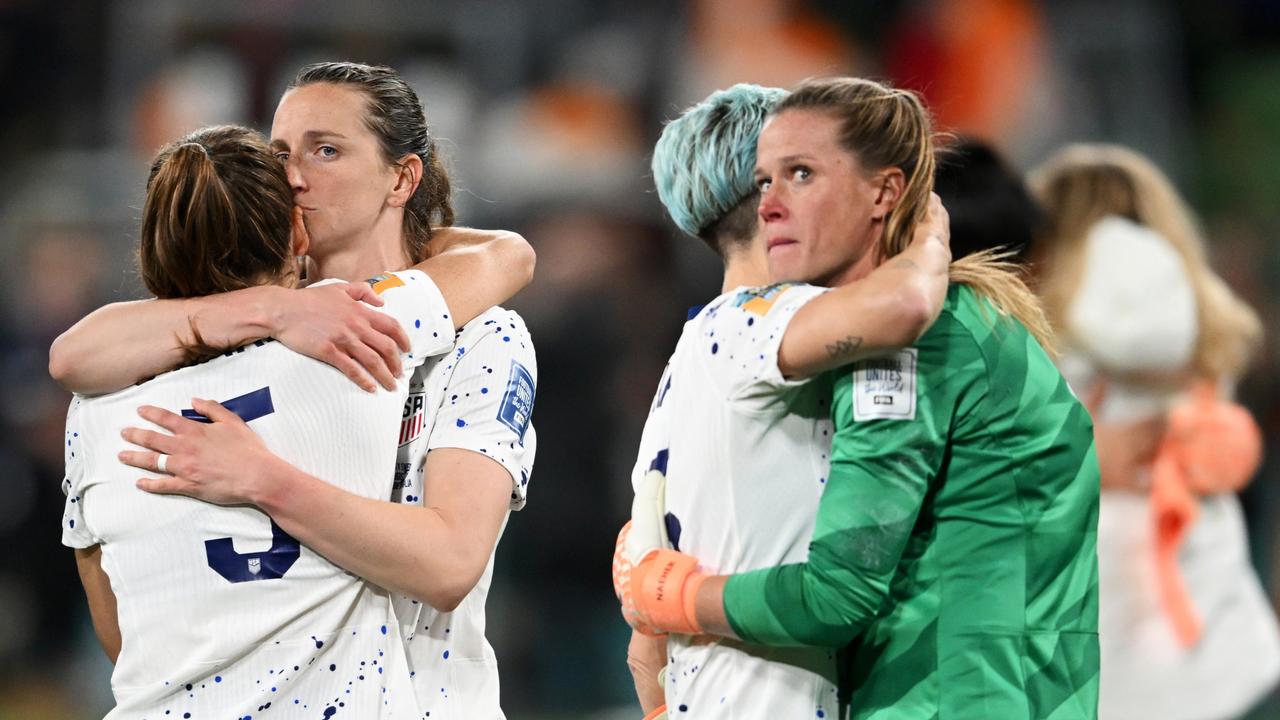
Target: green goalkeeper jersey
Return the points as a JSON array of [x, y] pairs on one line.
[[954, 551]]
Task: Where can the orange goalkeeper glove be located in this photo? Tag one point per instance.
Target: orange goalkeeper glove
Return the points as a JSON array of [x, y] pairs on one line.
[[657, 587]]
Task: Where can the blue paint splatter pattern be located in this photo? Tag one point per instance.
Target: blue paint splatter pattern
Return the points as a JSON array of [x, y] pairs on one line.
[[466, 389], [722, 381]]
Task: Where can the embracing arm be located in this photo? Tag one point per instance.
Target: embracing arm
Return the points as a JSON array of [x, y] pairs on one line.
[[881, 471], [435, 553], [477, 269], [888, 309], [102, 601], [122, 343]]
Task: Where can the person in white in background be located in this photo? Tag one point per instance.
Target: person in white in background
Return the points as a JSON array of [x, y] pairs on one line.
[[365, 170], [1154, 342]]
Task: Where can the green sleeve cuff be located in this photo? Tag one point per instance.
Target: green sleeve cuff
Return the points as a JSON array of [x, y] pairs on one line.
[[746, 609]]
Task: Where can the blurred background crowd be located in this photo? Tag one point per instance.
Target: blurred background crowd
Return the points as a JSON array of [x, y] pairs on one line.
[[548, 112]]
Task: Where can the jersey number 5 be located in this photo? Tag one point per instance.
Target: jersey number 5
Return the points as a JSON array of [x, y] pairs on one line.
[[220, 553]]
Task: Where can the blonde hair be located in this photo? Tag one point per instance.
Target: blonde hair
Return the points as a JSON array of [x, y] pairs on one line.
[[889, 127], [1080, 185]]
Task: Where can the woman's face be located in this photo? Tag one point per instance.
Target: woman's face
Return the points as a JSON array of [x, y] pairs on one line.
[[817, 203], [334, 163]]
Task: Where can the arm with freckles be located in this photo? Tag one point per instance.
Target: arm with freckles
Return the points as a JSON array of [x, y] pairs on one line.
[[123, 343], [888, 309]]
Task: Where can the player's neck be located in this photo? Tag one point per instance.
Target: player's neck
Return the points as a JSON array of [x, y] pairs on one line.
[[745, 268], [856, 271], [363, 258]]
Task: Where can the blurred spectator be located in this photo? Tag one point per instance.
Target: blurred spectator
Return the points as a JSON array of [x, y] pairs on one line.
[[989, 205], [1152, 340]]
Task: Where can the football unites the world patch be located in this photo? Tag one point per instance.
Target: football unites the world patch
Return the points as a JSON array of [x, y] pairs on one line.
[[413, 418], [517, 402], [885, 388], [759, 300], [384, 282]]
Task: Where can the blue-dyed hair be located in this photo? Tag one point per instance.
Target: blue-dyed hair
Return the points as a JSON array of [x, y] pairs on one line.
[[703, 165]]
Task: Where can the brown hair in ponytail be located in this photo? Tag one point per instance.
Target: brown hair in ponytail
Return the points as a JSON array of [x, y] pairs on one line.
[[217, 215], [888, 127], [394, 115]]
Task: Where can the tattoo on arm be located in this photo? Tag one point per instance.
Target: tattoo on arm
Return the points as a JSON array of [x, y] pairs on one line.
[[845, 347]]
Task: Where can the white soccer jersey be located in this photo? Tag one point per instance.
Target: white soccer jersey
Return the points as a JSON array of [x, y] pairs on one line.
[[478, 397], [222, 614], [745, 453]]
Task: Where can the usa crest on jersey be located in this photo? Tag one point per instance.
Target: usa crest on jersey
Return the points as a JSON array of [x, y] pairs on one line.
[[414, 417]]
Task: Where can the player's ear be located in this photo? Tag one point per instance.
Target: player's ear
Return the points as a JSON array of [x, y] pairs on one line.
[[300, 241], [891, 185], [408, 175]]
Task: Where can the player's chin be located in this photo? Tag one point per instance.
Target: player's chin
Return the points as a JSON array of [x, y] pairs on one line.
[[786, 263]]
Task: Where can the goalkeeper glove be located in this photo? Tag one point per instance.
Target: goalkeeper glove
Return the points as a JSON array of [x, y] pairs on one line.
[[657, 586]]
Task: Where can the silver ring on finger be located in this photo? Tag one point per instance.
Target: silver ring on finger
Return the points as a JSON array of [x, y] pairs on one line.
[[161, 461]]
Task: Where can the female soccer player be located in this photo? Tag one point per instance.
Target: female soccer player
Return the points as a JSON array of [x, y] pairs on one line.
[[367, 175], [195, 625], [954, 544], [1157, 340], [742, 404]]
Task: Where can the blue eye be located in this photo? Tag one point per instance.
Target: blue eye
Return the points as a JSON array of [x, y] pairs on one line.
[[327, 151]]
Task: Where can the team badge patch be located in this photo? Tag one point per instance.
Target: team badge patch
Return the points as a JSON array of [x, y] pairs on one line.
[[759, 300], [413, 418], [385, 282], [517, 403], [885, 388]]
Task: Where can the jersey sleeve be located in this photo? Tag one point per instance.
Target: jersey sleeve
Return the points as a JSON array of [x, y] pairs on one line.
[[488, 401], [742, 336], [75, 533], [412, 298], [892, 419], [655, 438]]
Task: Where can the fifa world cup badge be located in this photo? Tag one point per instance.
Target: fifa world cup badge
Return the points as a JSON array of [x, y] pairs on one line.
[[885, 388]]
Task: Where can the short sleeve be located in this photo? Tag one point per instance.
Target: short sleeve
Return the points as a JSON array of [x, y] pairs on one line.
[[412, 298], [488, 401], [741, 334], [75, 533]]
